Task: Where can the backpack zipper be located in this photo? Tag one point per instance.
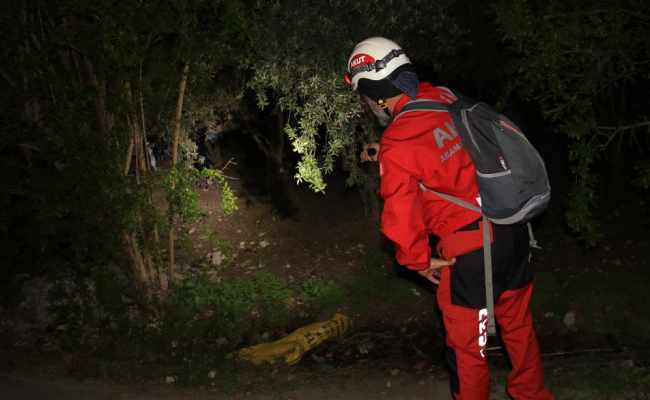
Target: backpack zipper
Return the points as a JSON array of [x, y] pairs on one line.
[[463, 113]]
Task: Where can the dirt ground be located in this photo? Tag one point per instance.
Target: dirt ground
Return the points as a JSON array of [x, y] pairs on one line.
[[297, 234], [339, 385]]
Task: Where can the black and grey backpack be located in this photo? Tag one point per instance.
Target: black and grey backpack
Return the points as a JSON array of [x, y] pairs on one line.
[[512, 180]]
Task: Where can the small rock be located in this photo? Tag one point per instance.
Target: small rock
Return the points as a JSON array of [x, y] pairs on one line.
[[388, 384], [222, 341], [569, 319], [212, 374], [548, 314], [191, 231], [263, 244], [170, 379], [365, 348], [242, 245], [62, 328], [288, 266], [415, 291], [217, 258], [394, 372], [266, 336]]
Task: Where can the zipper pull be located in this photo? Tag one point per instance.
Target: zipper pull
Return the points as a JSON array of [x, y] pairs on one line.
[[503, 163]]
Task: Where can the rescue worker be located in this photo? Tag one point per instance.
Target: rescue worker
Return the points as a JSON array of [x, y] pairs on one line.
[[422, 146]]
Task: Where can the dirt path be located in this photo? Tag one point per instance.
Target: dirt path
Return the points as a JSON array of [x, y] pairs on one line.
[[405, 387]]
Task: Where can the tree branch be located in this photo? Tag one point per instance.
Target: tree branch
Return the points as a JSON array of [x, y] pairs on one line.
[[615, 130]]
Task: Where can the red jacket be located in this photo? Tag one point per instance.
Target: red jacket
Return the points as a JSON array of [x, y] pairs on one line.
[[424, 146]]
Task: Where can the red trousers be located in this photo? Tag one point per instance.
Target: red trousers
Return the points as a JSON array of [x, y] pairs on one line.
[[465, 318]]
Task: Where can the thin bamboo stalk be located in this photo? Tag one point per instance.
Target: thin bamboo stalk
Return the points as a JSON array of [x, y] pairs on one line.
[[143, 124], [127, 161], [177, 133], [138, 264]]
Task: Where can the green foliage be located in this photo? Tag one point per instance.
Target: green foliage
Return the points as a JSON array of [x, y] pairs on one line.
[[77, 76], [299, 58], [274, 295], [202, 307], [580, 215], [643, 179], [578, 60], [324, 295], [183, 198]]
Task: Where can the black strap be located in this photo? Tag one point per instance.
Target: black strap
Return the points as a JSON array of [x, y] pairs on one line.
[[424, 105], [378, 64], [392, 54]]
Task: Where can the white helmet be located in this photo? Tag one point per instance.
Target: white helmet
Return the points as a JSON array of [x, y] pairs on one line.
[[375, 59]]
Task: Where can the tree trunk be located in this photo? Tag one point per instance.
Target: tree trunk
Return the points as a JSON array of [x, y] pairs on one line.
[[177, 134], [127, 160]]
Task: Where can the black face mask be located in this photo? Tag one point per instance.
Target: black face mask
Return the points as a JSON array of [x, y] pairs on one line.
[[382, 89], [377, 90]]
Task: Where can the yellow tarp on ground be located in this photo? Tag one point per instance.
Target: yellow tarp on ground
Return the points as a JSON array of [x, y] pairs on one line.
[[291, 347]]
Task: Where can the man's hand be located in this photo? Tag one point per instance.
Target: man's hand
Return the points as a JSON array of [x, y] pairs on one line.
[[433, 272], [370, 152]]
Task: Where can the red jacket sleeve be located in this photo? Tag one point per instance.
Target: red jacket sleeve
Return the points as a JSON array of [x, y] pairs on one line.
[[402, 218]]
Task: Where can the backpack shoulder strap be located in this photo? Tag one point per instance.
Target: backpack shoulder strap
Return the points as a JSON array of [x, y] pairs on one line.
[[423, 105]]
